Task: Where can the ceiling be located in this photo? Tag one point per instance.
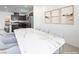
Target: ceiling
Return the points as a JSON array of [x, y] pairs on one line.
[[16, 8]]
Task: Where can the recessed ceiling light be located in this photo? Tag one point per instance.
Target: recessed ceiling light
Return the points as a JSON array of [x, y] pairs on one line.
[[22, 10], [5, 6], [25, 6]]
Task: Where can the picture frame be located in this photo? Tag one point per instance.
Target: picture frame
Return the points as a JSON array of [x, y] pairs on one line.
[[55, 16], [67, 15], [64, 15], [48, 17]]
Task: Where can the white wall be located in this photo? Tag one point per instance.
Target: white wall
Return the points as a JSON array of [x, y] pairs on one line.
[[2, 18], [70, 32]]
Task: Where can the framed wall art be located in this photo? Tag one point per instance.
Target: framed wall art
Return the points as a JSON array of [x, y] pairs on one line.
[[48, 17], [55, 16], [67, 15], [63, 15]]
